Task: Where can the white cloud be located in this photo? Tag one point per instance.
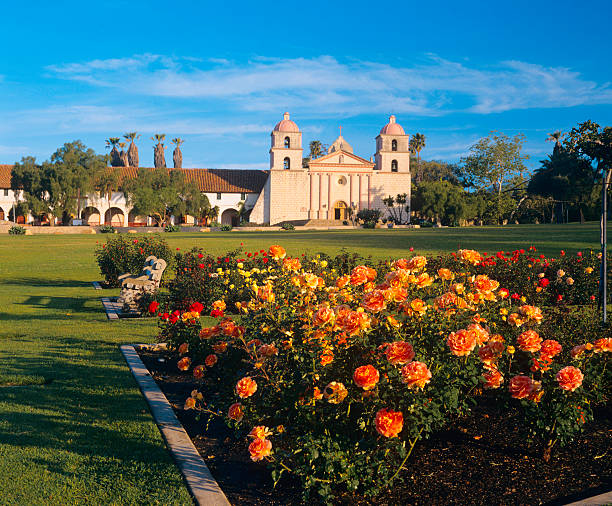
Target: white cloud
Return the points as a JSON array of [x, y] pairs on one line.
[[326, 86]]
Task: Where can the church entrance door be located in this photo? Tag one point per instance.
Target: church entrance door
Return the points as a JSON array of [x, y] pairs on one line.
[[340, 212]]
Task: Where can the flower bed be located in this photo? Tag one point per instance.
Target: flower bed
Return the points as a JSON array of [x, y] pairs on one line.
[[335, 378]]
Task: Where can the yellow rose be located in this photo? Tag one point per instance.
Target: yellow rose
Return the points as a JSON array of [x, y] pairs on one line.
[[324, 263], [511, 350]]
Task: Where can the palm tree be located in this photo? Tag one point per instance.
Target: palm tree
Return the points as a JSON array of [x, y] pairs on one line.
[[177, 156], [132, 150], [556, 137], [159, 157], [417, 143], [123, 156], [316, 149], [112, 142]]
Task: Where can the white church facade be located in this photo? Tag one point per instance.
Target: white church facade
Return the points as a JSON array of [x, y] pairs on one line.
[[325, 189]]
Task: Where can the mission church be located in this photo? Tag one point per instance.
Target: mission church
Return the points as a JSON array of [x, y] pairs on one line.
[[288, 192]]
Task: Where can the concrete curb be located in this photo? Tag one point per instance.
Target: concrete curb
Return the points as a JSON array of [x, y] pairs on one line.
[[596, 500], [110, 308], [201, 484]]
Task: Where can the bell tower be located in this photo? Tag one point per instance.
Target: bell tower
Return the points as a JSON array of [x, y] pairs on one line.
[[392, 148], [286, 146]]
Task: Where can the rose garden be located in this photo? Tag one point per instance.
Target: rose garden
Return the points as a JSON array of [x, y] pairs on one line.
[[337, 372]]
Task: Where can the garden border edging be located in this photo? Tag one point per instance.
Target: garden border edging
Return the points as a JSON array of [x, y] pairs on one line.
[[200, 481]]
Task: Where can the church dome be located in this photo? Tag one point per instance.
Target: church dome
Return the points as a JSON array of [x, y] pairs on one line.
[[286, 125], [392, 128], [340, 145]]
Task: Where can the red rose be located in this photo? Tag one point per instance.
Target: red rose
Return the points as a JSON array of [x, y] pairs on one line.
[[153, 307]]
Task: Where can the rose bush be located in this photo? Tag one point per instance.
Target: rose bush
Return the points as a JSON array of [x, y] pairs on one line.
[[122, 254], [335, 373]]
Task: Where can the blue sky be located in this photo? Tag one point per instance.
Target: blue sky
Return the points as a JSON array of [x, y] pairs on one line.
[[221, 74]]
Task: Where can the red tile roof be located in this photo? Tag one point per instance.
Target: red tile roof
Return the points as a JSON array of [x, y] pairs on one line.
[[208, 180]]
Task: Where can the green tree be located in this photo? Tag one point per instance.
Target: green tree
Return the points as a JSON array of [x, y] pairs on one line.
[[417, 143], [159, 157], [189, 200], [106, 183], [566, 177], [440, 201], [396, 207], [556, 137], [133, 149], [115, 159], [494, 163], [54, 187], [177, 155], [433, 170]]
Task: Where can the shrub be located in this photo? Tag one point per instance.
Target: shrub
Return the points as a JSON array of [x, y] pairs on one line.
[[367, 215], [17, 230], [106, 229], [122, 254], [288, 226], [172, 228], [369, 224], [226, 228], [335, 377]]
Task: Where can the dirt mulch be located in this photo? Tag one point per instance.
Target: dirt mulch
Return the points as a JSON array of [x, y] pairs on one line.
[[479, 460]]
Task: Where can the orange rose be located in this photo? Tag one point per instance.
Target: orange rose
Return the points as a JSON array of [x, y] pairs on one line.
[[277, 252], [183, 348], [210, 360], [208, 332], [462, 342], [227, 326], [469, 256], [550, 348], [327, 357], [323, 316], [374, 301], [516, 320], [198, 372], [267, 350], [424, 280], [520, 386], [577, 351], [362, 274], [355, 322], [481, 334], [219, 305], [253, 344], [569, 378], [259, 449], [342, 281], [184, 363], [235, 412], [389, 423], [415, 375], [399, 352], [220, 347], [190, 403], [484, 284], [366, 377], [416, 263], [493, 378], [446, 274], [292, 264], [396, 294], [246, 387], [335, 392], [530, 341], [260, 432], [532, 313], [602, 345], [400, 263], [266, 293]]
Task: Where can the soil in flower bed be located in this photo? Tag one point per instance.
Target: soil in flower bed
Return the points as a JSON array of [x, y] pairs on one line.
[[481, 459]]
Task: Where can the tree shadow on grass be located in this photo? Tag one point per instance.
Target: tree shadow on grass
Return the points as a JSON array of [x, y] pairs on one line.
[[42, 281]]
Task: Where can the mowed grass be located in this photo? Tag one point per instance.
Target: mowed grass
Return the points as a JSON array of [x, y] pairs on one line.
[[74, 428]]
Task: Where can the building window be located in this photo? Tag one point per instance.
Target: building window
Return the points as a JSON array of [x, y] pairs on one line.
[[393, 165], [287, 142], [243, 196], [218, 196], [393, 145], [286, 163], [6, 192]]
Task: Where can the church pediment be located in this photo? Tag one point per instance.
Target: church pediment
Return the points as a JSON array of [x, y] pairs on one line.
[[341, 159]]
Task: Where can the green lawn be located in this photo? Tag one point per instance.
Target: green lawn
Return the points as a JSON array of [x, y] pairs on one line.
[[74, 428]]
